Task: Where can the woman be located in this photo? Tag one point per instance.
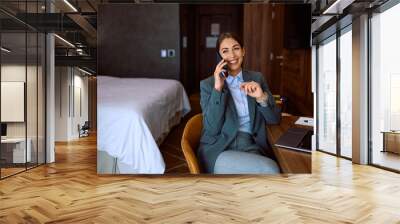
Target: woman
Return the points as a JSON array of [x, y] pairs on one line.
[[235, 108]]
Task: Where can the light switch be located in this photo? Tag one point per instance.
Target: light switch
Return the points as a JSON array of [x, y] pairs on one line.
[[171, 53], [184, 41], [163, 53]]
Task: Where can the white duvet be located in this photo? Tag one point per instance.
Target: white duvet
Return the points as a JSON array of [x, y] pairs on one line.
[[132, 113]]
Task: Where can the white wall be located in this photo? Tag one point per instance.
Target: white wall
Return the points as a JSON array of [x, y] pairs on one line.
[[71, 102], [15, 72], [33, 127], [10, 73], [13, 99], [81, 103], [62, 81]]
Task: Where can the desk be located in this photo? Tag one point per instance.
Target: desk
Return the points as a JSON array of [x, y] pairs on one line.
[[391, 141], [15, 148], [290, 160]]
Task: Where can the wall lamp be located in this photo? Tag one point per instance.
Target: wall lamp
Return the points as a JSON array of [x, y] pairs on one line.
[[70, 5], [84, 71], [337, 7], [65, 41], [5, 50]]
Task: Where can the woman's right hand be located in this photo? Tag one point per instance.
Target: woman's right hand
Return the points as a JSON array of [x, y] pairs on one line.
[[218, 79]]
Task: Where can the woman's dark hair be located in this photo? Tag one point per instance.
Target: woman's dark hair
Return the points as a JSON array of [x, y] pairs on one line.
[[224, 36]]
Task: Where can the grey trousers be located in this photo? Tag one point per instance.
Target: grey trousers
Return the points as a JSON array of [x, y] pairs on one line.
[[243, 156]]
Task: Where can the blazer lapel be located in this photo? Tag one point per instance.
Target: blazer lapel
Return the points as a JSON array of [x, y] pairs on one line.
[[250, 100]]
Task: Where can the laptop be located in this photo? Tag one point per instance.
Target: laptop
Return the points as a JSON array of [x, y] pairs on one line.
[[296, 138], [3, 131]]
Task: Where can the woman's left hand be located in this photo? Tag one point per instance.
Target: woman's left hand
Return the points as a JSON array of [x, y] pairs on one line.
[[252, 89]]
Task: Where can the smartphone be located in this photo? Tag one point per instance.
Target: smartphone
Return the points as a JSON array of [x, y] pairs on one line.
[[222, 74]]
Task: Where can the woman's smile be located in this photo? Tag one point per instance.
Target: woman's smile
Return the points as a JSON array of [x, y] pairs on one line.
[[234, 65], [232, 62]]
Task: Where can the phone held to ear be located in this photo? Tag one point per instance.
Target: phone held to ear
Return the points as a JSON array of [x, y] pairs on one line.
[[222, 74]]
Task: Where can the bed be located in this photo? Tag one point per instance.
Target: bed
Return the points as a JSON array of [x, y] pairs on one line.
[[134, 117]]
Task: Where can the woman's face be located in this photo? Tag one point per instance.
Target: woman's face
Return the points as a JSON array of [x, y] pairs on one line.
[[231, 51]]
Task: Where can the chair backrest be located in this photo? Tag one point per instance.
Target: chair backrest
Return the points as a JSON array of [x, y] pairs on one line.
[[190, 142], [86, 125]]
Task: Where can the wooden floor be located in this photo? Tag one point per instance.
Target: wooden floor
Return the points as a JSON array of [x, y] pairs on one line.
[[10, 171], [171, 150], [70, 191], [386, 159]]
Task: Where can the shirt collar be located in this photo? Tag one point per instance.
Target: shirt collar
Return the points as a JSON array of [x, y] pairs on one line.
[[238, 77]]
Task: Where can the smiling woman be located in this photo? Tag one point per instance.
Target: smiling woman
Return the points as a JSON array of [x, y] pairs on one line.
[[235, 109]]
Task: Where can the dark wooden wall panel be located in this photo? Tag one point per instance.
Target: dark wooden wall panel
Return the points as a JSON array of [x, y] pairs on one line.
[[92, 87], [257, 24], [287, 71], [296, 81], [198, 60], [188, 28], [131, 36]]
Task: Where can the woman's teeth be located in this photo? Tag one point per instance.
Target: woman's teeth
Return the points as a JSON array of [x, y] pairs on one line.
[[232, 62]]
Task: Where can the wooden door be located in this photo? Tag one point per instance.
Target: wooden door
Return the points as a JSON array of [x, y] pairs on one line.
[[229, 19], [276, 57], [263, 40], [296, 81], [287, 71], [295, 66]]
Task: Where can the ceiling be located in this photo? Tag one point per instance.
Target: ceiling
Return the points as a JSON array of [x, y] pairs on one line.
[[77, 22]]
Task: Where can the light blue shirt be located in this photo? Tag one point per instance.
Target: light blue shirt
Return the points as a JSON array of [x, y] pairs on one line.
[[240, 99]]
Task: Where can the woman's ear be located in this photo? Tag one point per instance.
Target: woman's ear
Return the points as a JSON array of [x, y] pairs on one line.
[[244, 51]]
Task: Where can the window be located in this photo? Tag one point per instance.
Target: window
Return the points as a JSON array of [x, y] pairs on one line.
[[346, 93], [334, 106], [22, 78], [385, 87], [327, 96]]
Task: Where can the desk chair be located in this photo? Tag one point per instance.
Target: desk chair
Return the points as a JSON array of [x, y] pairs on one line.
[[84, 129], [190, 142]]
